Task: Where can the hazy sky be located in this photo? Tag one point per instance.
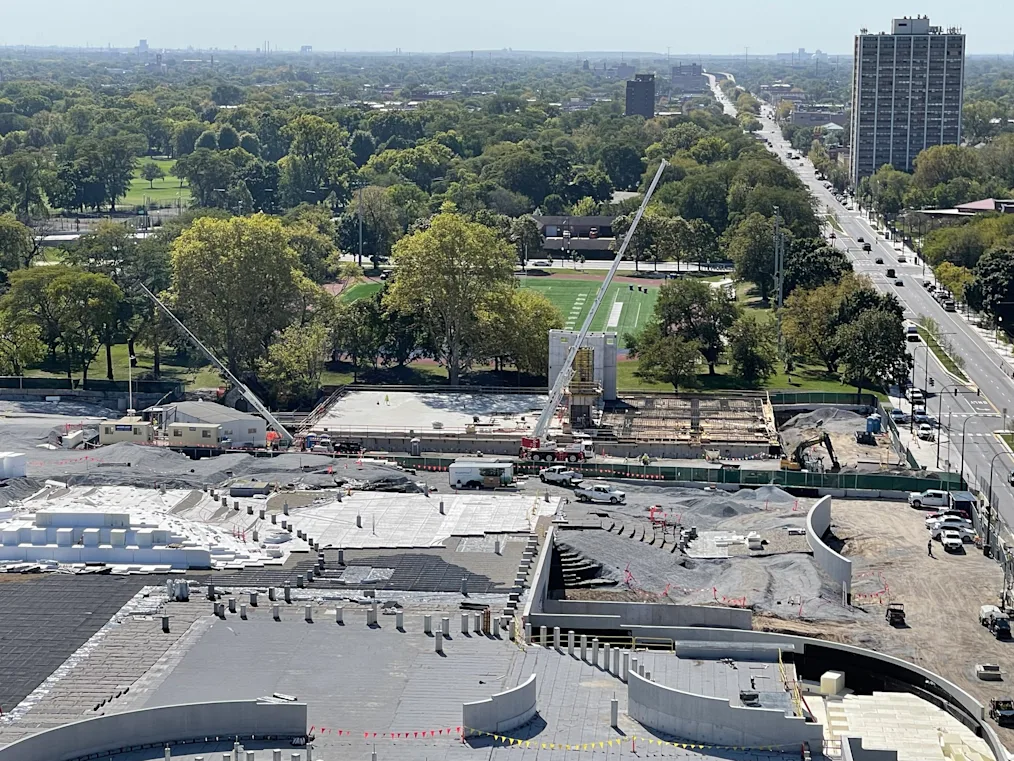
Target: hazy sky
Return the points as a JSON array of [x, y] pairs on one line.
[[726, 26]]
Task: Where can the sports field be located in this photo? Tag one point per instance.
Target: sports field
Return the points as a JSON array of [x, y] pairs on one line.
[[624, 309]]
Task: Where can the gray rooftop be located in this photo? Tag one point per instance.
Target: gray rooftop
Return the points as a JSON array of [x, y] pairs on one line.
[[211, 412]]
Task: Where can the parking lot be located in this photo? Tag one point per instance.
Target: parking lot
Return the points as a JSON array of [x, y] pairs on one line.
[[942, 594]]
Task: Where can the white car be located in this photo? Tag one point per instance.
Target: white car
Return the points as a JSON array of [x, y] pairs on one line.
[[541, 263], [951, 541], [915, 395], [965, 533], [560, 474], [949, 522], [599, 491], [929, 498], [926, 432]]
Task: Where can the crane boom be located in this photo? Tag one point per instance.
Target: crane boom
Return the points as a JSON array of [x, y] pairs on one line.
[[556, 392], [249, 395]]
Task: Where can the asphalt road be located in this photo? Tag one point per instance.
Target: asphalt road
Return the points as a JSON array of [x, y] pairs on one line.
[[975, 413]]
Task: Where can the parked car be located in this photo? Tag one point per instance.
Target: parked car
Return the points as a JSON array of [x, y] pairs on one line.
[[860, 240], [951, 541], [920, 416], [950, 306], [902, 259], [966, 533], [926, 432], [899, 416], [915, 395], [599, 491], [935, 524], [899, 282], [928, 498], [878, 260], [560, 474], [867, 247]]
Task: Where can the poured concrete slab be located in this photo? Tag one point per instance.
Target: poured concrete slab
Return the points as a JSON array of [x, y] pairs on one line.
[[418, 411]]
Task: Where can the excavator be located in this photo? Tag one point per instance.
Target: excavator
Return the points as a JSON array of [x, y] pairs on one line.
[[800, 460]]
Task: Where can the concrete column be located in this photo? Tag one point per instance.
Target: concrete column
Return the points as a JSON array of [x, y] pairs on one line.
[[614, 713], [232, 604], [256, 537], [295, 757], [616, 661], [287, 592], [584, 647], [165, 624], [228, 756], [250, 756], [438, 642], [261, 513], [308, 613], [647, 675], [556, 637], [211, 591], [249, 509], [605, 657], [221, 610], [528, 634], [276, 613], [168, 753], [496, 546], [242, 612], [477, 623], [504, 623], [399, 620], [633, 663], [625, 668], [464, 623], [595, 652], [309, 753], [309, 575], [285, 509], [274, 518], [341, 557], [271, 594], [543, 636], [299, 581], [427, 624], [442, 507], [570, 642], [339, 615], [445, 626], [276, 755], [464, 585], [253, 599], [640, 669]]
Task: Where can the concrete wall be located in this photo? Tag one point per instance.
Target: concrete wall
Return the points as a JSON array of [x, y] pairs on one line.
[[501, 713], [177, 558], [540, 579], [603, 344], [818, 521], [852, 750], [713, 720], [654, 614], [160, 726]]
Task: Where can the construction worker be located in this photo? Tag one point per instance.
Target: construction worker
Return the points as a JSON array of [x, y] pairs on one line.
[[645, 459]]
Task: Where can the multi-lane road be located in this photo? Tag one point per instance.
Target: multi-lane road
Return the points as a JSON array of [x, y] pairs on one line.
[[976, 412]]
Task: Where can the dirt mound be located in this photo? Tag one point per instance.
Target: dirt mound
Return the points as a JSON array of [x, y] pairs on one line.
[[828, 419]]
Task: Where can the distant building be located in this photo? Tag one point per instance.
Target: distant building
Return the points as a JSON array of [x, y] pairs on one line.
[[817, 117], [142, 47], [624, 71], [907, 90], [641, 96], [587, 235], [305, 49], [133, 429], [688, 78]]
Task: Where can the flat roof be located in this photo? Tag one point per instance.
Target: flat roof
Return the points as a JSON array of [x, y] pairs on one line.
[[402, 411], [211, 412]]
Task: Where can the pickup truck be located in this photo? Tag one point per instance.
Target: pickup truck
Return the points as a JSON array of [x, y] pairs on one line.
[[599, 491], [929, 498], [560, 474]]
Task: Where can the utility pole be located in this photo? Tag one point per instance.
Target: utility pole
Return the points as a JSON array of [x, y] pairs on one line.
[[360, 205], [779, 279]]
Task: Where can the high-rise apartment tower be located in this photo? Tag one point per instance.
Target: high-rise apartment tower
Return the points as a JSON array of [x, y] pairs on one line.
[[907, 88]]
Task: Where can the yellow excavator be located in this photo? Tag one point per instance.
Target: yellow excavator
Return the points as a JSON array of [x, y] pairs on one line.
[[799, 459]]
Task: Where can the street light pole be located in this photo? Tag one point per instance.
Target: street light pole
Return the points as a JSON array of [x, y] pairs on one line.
[[987, 545], [940, 408], [961, 473]]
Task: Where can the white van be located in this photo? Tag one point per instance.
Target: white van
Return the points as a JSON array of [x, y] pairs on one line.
[[480, 473]]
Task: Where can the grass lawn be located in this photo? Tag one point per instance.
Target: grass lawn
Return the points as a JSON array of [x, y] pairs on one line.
[[624, 309], [195, 377], [942, 356], [164, 191], [360, 291]]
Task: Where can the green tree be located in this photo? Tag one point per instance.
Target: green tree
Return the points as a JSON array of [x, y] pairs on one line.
[[207, 140], [17, 246], [873, 350], [526, 237], [520, 331], [228, 138], [810, 263], [184, 137], [623, 164], [237, 285], [87, 303], [664, 357], [318, 163], [752, 250], [450, 273], [117, 156], [20, 345], [753, 348], [151, 171], [698, 313], [954, 278], [992, 289], [295, 362], [248, 142], [208, 174], [23, 173]]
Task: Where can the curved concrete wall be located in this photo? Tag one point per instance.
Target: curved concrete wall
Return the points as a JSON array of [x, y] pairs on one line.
[[160, 726], [625, 614], [704, 719], [818, 521], [503, 712]]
